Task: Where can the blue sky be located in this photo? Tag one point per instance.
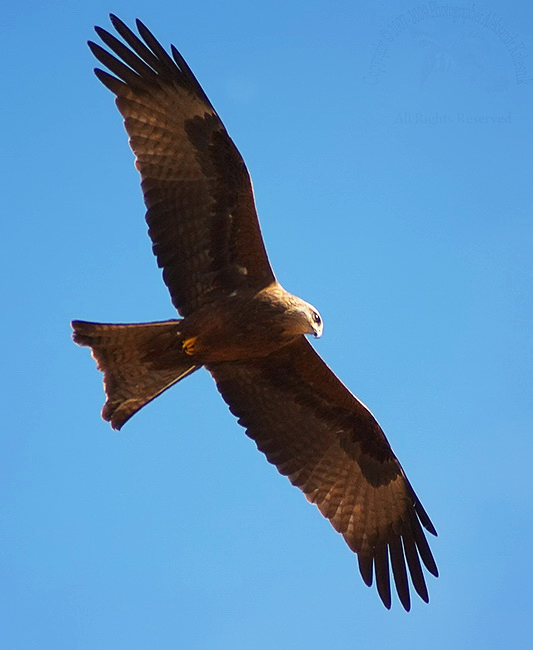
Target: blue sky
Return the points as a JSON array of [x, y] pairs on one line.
[[390, 148]]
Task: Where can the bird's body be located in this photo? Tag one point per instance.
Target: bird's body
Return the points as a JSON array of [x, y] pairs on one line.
[[248, 325], [240, 324]]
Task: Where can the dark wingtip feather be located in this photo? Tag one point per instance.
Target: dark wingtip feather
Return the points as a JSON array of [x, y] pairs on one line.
[[430, 564], [415, 569], [425, 520], [420, 510], [156, 47], [123, 29], [365, 569], [399, 572], [149, 38], [120, 26], [100, 31], [111, 83], [142, 28], [125, 73], [423, 548], [143, 52], [188, 73], [424, 596], [406, 602], [126, 55], [381, 569]]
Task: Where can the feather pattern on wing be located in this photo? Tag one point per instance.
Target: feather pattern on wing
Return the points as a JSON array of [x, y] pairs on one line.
[[201, 212], [330, 446]]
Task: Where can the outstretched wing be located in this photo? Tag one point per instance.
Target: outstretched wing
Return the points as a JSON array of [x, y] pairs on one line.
[[201, 211], [329, 445]]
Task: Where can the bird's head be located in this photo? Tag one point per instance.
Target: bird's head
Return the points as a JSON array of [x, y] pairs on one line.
[[295, 316], [316, 322], [305, 318]]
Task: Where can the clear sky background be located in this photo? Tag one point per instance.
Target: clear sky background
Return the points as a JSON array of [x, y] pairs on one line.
[[390, 146]]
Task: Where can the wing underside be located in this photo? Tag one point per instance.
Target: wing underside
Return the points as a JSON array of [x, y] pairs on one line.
[[330, 446], [201, 212]]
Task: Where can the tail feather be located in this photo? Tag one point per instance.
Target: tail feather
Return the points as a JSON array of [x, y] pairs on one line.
[[139, 362]]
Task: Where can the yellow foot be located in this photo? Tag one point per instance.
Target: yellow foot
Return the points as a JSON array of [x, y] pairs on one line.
[[188, 345]]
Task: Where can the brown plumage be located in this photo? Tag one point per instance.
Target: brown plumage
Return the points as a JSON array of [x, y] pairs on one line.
[[240, 324]]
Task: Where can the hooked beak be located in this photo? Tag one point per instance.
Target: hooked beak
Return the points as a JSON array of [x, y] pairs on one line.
[[317, 333]]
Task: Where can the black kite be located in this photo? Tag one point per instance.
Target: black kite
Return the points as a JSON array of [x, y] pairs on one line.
[[240, 324]]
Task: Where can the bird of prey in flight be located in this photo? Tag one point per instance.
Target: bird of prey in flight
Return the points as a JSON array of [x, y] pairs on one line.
[[239, 323]]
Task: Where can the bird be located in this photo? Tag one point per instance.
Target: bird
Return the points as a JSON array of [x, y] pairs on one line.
[[240, 324]]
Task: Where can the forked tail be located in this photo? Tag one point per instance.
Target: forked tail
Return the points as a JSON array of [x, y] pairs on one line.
[[139, 362]]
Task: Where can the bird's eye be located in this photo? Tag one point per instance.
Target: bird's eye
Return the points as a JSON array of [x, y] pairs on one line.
[[316, 318]]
